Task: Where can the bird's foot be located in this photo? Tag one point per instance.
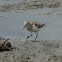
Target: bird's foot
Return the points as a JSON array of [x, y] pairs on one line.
[[27, 37]]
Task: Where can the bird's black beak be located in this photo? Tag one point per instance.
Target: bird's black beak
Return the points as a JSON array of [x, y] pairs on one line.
[[24, 26]]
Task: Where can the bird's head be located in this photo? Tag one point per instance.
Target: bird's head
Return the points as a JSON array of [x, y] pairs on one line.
[[25, 24]]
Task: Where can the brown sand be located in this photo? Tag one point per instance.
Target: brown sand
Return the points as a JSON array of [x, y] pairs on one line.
[[37, 51], [30, 4]]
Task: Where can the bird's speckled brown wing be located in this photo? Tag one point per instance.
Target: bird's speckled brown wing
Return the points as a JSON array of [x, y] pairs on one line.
[[38, 24]]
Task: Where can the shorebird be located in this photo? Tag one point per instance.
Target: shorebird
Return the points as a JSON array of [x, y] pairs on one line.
[[33, 26]]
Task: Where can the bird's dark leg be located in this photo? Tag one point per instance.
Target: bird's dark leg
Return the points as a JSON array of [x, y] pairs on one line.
[[29, 36], [36, 36]]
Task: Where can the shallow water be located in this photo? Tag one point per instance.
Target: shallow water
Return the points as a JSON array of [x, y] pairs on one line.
[[11, 23]]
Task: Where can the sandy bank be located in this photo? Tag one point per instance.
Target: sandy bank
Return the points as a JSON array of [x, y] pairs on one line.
[[39, 51], [30, 4]]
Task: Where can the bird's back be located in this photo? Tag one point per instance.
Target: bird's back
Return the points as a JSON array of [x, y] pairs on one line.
[[37, 24]]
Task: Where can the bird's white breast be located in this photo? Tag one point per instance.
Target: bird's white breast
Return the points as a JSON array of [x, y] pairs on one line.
[[35, 29]]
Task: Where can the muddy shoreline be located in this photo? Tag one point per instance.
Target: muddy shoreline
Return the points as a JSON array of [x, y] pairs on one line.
[[33, 4], [37, 51]]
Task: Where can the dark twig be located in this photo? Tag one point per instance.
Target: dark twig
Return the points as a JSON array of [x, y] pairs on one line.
[[6, 40]]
